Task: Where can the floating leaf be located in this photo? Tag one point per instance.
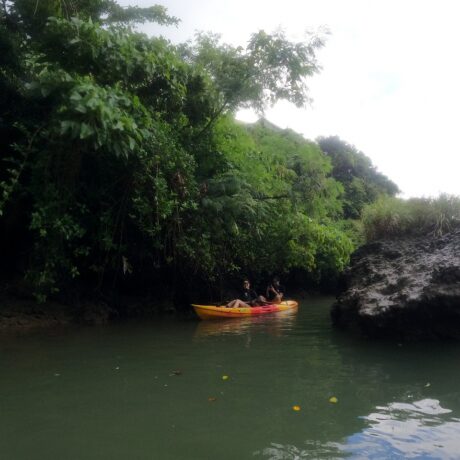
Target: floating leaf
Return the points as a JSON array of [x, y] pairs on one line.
[[212, 399], [333, 400], [296, 408], [428, 384], [225, 377]]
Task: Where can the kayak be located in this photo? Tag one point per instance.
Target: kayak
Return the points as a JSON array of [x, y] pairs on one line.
[[215, 312]]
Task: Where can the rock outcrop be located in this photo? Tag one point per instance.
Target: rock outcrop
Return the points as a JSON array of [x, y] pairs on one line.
[[407, 288]]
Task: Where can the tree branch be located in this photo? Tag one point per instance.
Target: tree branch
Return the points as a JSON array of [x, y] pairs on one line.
[[212, 120]]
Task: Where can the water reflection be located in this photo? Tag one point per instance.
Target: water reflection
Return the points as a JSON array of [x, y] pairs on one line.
[[275, 324], [311, 450], [422, 429]]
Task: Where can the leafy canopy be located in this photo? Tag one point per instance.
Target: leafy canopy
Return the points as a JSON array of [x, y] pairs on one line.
[[124, 168]]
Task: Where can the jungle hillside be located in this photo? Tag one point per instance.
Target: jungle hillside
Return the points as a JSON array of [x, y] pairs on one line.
[[124, 170]]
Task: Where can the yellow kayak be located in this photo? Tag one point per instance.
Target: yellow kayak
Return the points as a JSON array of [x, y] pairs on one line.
[[215, 312]]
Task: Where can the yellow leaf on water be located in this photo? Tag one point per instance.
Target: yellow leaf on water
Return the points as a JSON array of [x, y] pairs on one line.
[[333, 400], [212, 399], [225, 377], [296, 408]]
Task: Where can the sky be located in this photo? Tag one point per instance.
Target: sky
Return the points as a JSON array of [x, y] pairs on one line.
[[390, 79]]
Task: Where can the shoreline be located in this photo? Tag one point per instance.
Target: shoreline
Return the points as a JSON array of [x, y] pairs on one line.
[[22, 315]]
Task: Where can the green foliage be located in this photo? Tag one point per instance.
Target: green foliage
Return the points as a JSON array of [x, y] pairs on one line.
[[134, 14], [271, 68], [354, 230], [58, 243], [393, 217], [363, 184], [273, 203], [123, 164], [32, 15], [318, 248], [302, 171]]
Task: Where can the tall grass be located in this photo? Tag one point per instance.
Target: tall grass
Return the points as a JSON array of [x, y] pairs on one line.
[[395, 217]]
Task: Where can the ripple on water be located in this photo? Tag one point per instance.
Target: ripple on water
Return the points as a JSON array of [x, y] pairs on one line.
[[422, 430]]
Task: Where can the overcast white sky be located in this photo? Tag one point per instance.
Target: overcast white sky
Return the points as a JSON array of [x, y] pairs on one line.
[[390, 83]]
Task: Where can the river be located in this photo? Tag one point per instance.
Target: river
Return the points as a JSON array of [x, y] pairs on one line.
[[182, 389]]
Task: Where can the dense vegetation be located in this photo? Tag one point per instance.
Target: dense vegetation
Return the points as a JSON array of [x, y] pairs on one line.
[[363, 184], [123, 167], [393, 217]]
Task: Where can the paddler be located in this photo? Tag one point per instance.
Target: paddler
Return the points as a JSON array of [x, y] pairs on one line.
[[247, 298]]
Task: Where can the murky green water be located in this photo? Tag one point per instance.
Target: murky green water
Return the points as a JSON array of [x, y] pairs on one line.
[[155, 390]]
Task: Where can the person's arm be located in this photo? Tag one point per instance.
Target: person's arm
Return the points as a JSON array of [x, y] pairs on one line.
[[282, 291]]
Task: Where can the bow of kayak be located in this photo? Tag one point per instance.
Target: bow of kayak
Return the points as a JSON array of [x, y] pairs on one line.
[[215, 312]]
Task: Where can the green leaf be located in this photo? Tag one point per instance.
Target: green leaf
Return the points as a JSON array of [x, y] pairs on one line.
[[85, 131]]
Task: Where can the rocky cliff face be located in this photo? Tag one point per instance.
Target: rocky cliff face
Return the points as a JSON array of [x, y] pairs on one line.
[[406, 288]]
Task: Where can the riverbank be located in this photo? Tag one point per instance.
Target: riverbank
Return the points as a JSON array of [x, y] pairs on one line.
[[22, 314]]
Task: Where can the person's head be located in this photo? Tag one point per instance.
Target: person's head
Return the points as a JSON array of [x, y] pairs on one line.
[[246, 284], [276, 281]]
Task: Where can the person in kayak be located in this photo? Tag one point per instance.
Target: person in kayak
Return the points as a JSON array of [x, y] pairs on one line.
[[275, 292], [247, 298]]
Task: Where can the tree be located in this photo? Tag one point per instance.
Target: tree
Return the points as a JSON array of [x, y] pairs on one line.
[[32, 15], [269, 69], [363, 184], [124, 166]]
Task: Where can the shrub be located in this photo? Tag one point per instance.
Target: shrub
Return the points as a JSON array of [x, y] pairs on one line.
[[395, 217]]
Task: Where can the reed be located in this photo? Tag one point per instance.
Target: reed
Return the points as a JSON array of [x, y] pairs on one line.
[[395, 217]]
